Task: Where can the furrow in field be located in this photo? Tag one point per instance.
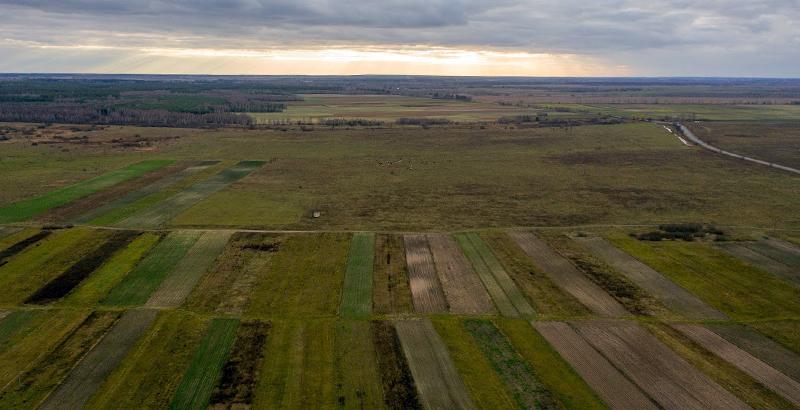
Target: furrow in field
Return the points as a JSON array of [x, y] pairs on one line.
[[673, 296], [25, 239], [180, 282], [437, 380], [166, 180], [666, 377], [462, 287], [611, 385], [498, 272], [567, 277], [764, 373], [760, 346], [90, 372], [357, 286], [764, 262], [29, 208], [391, 292], [170, 207], [136, 287], [205, 368], [426, 291]]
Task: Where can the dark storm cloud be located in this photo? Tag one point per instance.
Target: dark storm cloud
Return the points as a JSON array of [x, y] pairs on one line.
[[661, 29]]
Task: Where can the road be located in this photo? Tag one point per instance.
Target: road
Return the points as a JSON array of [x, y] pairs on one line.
[[690, 135]]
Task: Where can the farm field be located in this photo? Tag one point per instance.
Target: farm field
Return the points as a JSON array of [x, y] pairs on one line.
[[525, 255]]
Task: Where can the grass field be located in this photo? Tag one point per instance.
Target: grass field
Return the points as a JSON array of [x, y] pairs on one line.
[[25, 209], [735, 288], [137, 286], [357, 286], [358, 378]]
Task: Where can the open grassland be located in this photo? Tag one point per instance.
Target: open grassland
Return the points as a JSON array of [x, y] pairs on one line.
[[303, 278], [484, 384], [37, 382], [723, 373], [31, 337], [205, 368], [544, 296], [492, 178], [137, 286], [25, 209], [733, 287], [391, 292], [228, 285], [357, 286], [29, 271], [560, 380], [785, 332], [149, 374], [777, 142], [727, 112], [107, 276], [299, 366]]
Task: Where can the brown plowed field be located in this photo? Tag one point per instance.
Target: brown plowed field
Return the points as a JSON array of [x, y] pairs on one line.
[[390, 288], [75, 208], [567, 277], [426, 291], [666, 377], [90, 373], [437, 380], [764, 373], [673, 296], [617, 391], [462, 286]]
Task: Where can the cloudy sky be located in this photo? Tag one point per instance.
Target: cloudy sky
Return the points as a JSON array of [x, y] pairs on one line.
[[447, 37]]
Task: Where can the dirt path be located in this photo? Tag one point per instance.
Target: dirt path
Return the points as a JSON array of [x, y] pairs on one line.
[[690, 135], [666, 377], [611, 385], [567, 277], [437, 380], [462, 286], [90, 373], [764, 373], [673, 296], [426, 291]]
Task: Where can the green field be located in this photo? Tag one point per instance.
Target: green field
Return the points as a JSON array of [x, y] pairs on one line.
[[357, 287]]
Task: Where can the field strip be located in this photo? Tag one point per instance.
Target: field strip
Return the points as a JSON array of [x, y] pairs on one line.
[[665, 376], [358, 379], [611, 385], [8, 230], [761, 261], [170, 207], [498, 295], [399, 391], [482, 255], [205, 368], [68, 280], [764, 373], [137, 286], [437, 380], [426, 291], [357, 286], [516, 373], [159, 185], [760, 346], [191, 268], [673, 296], [567, 277], [237, 384], [89, 374], [390, 291], [31, 387], [29, 239], [462, 287], [20, 211], [781, 251]]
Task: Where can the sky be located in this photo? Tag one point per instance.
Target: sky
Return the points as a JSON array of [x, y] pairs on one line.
[[757, 38]]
